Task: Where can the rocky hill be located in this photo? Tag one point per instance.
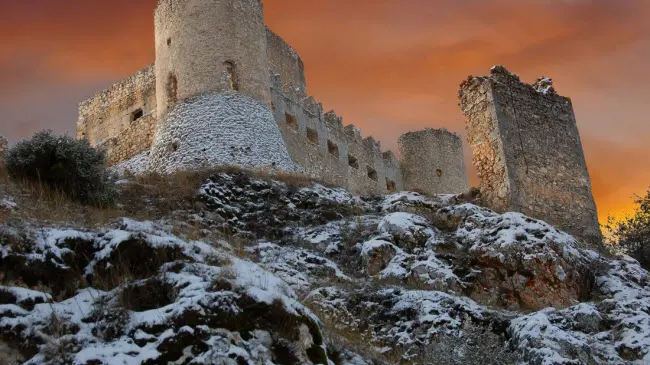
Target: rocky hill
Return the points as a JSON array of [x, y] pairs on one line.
[[253, 270]]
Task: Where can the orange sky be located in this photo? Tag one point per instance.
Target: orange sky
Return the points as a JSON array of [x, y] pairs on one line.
[[387, 66]]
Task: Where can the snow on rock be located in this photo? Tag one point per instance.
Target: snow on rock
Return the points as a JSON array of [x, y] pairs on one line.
[[192, 303], [136, 165], [22, 297], [408, 230], [335, 237], [521, 255], [216, 130], [7, 204], [303, 270], [399, 277], [403, 200], [614, 330], [266, 208], [400, 320], [376, 254]]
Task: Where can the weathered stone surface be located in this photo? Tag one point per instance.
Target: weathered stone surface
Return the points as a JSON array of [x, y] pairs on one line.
[[195, 57], [527, 151], [432, 162], [111, 119]]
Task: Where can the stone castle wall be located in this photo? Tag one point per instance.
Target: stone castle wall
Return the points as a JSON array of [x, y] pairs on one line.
[[122, 117], [432, 162], [218, 46], [285, 62], [329, 151], [212, 46], [528, 153]]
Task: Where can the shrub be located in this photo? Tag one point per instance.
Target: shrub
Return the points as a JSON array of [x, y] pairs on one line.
[[64, 164], [632, 234]]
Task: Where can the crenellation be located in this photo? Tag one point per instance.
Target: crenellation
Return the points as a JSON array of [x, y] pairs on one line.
[[199, 64], [226, 89], [353, 132], [334, 120], [372, 144], [312, 106]]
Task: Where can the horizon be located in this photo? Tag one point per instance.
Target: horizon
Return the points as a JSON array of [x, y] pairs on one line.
[[388, 68]]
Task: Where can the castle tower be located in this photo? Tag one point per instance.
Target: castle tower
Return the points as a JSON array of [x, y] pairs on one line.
[[527, 151], [209, 46], [432, 162]]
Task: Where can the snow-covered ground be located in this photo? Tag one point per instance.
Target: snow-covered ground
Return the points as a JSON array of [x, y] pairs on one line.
[[318, 276]]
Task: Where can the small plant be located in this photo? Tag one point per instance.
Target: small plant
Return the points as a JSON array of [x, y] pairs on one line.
[[63, 164], [631, 235]]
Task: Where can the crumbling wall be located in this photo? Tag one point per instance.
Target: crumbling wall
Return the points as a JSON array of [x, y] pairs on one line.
[[432, 162], [122, 117], [527, 151], [328, 151], [285, 61]]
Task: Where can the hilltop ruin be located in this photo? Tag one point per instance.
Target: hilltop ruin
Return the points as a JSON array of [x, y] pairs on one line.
[[225, 90]]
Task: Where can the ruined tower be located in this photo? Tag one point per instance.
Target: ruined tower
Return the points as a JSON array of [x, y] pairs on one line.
[[527, 151], [432, 162], [209, 46]]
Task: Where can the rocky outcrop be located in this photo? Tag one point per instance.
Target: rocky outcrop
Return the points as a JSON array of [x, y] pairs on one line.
[[306, 274]]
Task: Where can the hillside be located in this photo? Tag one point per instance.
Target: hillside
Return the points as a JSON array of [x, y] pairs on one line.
[[239, 268]]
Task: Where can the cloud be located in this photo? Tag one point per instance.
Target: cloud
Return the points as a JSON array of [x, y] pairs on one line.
[[387, 67]]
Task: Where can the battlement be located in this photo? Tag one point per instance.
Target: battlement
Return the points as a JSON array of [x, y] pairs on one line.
[[205, 51], [327, 149], [527, 151]]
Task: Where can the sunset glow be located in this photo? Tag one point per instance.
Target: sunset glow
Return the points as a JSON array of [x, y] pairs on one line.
[[388, 67]]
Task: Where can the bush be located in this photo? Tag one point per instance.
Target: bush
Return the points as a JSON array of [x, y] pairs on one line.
[[632, 234], [64, 164]]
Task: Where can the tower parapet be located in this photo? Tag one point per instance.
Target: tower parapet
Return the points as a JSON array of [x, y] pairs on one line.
[[207, 46], [432, 162], [527, 151]]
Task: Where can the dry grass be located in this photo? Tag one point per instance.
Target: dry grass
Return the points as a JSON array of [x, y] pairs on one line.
[[360, 342], [149, 196]]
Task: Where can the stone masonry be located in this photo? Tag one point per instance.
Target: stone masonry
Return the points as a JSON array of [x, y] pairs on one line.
[[527, 151], [220, 46], [525, 142], [432, 162]]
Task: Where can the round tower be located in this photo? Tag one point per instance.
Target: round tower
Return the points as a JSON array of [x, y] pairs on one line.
[[432, 162], [209, 46]]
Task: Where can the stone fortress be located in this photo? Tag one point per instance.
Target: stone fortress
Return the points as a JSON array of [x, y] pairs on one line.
[[226, 90]]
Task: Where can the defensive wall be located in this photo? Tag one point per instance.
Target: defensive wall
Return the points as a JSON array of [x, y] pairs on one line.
[[122, 117], [527, 151], [327, 150], [222, 46]]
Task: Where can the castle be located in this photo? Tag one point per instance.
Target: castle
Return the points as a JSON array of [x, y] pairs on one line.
[[226, 90]]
